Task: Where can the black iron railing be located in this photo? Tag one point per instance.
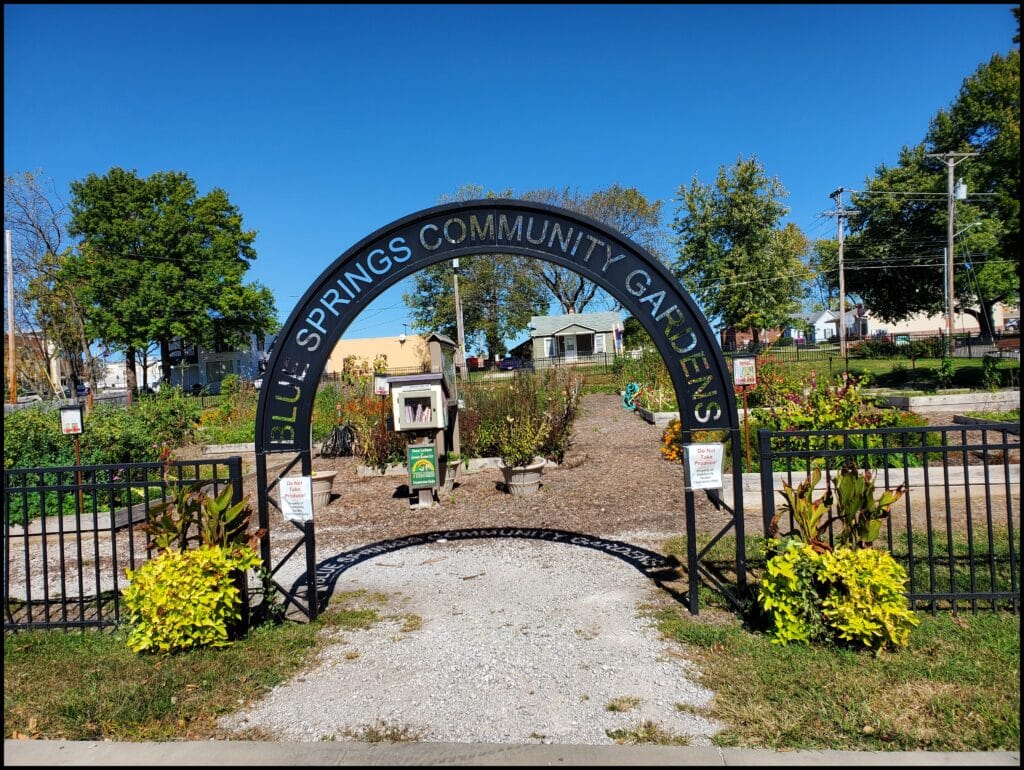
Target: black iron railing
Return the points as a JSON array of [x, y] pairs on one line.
[[956, 528], [71, 532]]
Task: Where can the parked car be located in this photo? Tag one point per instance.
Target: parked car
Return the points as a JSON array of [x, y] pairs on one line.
[[474, 363], [511, 363]]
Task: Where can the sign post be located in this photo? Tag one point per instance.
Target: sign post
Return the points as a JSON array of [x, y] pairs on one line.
[[744, 376], [71, 425]]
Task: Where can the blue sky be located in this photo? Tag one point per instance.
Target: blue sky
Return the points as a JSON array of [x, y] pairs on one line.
[[326, 122]]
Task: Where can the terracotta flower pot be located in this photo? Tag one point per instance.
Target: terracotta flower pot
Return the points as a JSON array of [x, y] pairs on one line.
[[525, 479]]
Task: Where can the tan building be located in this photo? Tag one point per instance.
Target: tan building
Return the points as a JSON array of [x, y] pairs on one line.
[[401, 352], [962, 323]]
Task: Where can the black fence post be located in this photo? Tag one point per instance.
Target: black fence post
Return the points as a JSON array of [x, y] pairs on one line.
[[235, 474], [764, 453]]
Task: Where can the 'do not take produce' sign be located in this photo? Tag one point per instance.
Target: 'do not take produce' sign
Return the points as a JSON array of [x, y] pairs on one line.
[[704, 465]]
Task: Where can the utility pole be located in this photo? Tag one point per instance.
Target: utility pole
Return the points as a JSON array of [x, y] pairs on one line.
[[460, 353], [12, 377], [950, 159], [840, 214]]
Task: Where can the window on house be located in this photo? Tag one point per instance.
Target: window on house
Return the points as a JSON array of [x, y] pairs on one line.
[[218, 370], [599, 343]]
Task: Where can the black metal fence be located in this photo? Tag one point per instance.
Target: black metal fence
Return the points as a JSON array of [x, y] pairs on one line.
[[956, 528], [71, 532], [909, 346]]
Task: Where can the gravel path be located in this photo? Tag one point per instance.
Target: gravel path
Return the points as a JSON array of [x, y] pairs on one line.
[[514, 640], [519, 642]]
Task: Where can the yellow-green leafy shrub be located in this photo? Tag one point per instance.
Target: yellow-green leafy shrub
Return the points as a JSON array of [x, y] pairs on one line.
[[186, 599], [789, 593], [866, 604], [852, 596]]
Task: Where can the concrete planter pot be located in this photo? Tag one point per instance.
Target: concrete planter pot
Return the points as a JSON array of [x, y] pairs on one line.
[[323, 483], [451, 475], [525, 479]]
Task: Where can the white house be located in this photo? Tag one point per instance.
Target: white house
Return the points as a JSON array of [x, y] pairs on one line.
[[574, 335], [823, 325]]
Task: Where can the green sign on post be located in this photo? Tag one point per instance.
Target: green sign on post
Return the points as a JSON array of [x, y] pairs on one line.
[[422, 466]]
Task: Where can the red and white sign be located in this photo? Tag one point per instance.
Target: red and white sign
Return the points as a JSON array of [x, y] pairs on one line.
[[297, 498], [70, 421], [744, 371], [704, 465]]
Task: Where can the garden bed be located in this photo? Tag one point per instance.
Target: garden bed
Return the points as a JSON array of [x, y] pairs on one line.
[[975, 401]]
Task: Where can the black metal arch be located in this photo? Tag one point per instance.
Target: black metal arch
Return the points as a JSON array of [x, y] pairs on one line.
[[625, 270]]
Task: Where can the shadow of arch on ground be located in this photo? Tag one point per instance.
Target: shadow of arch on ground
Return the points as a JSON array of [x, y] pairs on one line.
[[658, 567]]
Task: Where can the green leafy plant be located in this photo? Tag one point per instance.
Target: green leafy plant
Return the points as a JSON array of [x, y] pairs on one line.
[[809, 514], [185, 599], [861, 512], [190, 597], [990, 378], [944, 374], [853, 596], [865, 602], [521, 439], [788, 592]]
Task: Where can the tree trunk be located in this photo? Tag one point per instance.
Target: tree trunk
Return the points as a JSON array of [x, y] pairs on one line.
[[131, 380], [165, 360]]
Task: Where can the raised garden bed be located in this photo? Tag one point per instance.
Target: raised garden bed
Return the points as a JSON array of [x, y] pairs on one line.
[[975, 401]]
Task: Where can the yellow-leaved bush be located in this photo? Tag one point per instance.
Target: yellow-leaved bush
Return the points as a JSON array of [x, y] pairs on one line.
[[849, 595], [186, 599], [866, 603]]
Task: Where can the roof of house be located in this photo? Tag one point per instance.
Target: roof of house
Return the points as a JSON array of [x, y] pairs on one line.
[[548, 325], [817, 315]]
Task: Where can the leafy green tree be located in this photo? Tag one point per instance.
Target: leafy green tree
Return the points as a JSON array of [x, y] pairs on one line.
[[896, 254], [37, 219], [498, 293], [626, 210], [824, 269], [735, 257], [157, 261]]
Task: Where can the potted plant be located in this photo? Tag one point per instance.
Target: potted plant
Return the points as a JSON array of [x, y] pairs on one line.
[[452, 461], [519, 442]]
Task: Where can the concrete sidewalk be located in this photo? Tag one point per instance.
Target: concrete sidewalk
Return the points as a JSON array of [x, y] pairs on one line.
[[214, 753]]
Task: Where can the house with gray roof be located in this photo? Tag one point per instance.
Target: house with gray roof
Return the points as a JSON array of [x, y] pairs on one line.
[[575, 336]]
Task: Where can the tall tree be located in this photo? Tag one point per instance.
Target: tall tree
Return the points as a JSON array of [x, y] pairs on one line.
[[896, 257], [625, 209], [157, 261], [37, 219], [741, 264], [498, 293]]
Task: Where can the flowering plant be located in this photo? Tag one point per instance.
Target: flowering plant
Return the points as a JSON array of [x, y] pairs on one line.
[[521, 438]]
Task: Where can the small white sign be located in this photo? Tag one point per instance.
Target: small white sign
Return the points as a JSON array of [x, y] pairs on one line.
[[380, 386], [744, 371], [297, 498], [704, 465], [70, 421]]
